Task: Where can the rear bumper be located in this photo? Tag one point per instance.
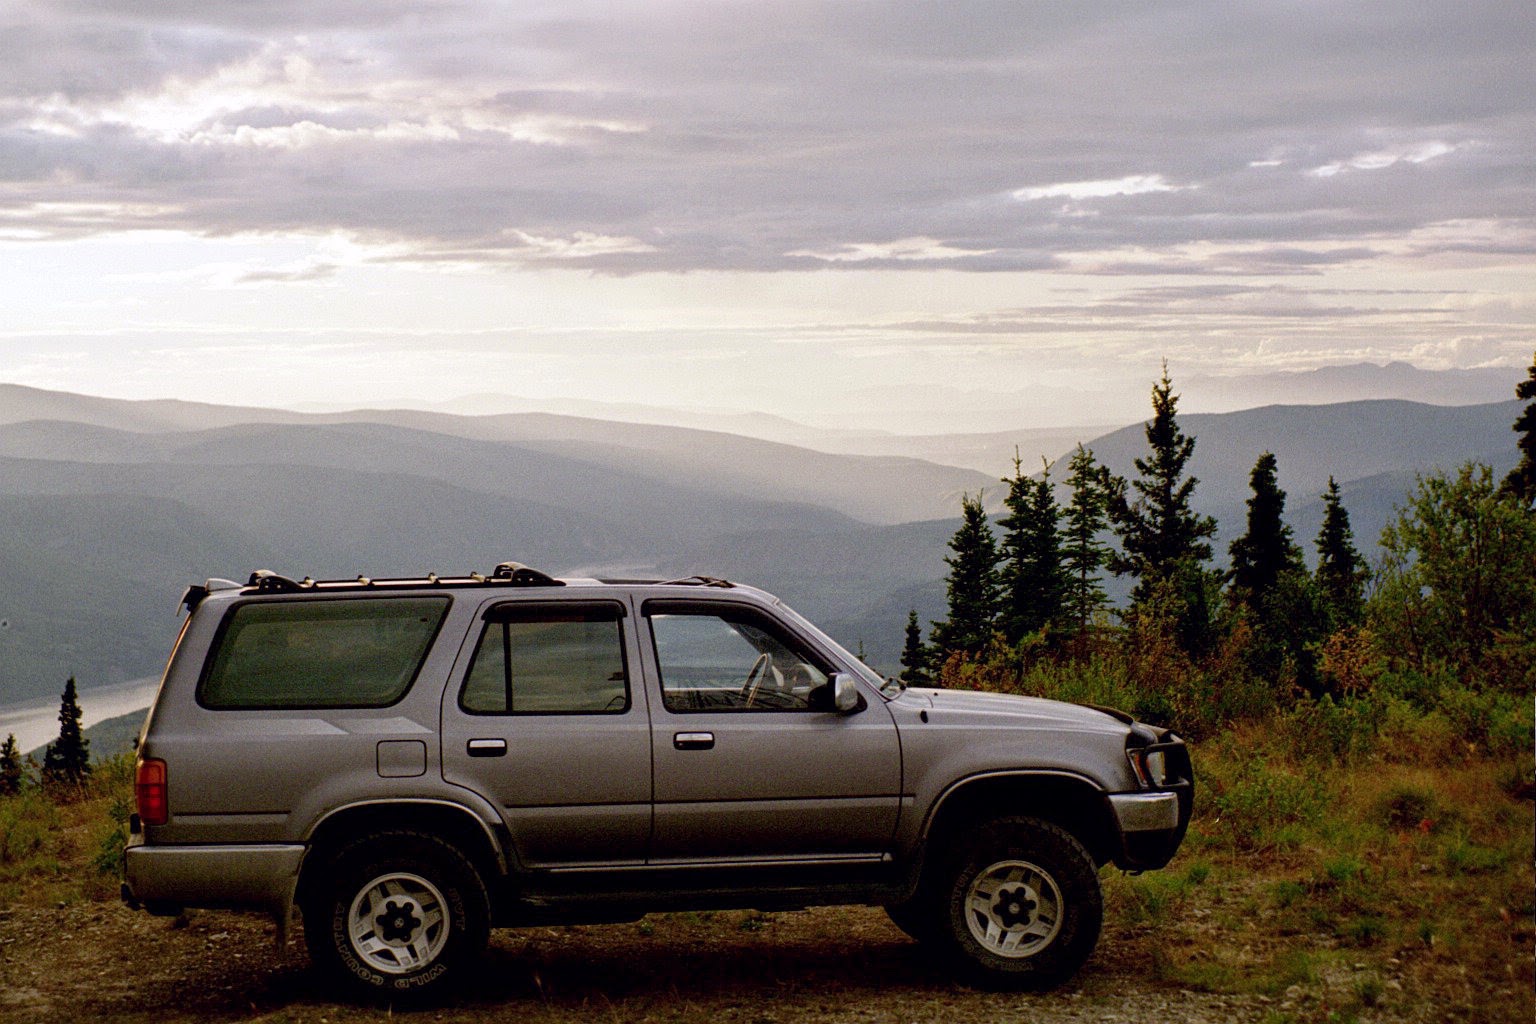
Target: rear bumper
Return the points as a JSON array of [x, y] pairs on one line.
[[168, 878]]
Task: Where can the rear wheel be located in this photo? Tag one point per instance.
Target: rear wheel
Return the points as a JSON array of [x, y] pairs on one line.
[[1017, 904], [397, 914]]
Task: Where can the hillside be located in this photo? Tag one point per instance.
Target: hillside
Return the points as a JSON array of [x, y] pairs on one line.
[[109, 508], [877, 488]]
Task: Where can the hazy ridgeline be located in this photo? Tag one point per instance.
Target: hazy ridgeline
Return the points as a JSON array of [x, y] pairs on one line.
[[111, 507]]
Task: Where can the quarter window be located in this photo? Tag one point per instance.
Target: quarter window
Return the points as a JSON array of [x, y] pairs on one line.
[[347, 653], [548, 660]]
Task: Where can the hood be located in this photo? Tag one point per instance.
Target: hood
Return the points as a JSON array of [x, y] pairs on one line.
[[1023, 711]]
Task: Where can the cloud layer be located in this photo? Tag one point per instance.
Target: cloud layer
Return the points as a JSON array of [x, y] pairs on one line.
[[743, 136]]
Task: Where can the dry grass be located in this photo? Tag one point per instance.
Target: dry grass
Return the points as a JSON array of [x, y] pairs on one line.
[[1394, 887]]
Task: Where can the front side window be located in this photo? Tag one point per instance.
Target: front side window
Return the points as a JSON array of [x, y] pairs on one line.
[[548, 659], [733, 660], [348, 653]]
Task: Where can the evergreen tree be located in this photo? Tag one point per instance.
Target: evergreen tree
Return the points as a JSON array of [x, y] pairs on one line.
[[1270, 581], [1341, 571], [1521, 481], [67, 761], [10, 767], [1261, 555], [1083, 553], [1033, 580], [1164, 543], [972, 585], [914, 658]]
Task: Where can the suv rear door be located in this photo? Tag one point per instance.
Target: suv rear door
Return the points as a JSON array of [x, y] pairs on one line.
[[546, 717]]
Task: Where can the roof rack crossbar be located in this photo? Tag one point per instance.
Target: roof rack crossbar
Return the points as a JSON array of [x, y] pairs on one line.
[[700, 581]]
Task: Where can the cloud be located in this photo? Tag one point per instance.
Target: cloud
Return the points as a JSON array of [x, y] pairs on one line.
[[680, 136], [927, 250], [1132, 185], [1414, 153]]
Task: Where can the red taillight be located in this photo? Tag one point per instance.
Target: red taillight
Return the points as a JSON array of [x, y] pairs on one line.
[[149, 787]]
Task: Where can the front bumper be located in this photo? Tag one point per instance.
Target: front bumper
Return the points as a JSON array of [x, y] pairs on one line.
[[1152, 825], [165, 879]]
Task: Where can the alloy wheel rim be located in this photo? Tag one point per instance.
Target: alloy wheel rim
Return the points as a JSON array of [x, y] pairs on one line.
[[398, 923], [1013, 909]]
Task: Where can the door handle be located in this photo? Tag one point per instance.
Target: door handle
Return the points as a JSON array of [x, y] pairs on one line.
[[693, 740], [487, 748]]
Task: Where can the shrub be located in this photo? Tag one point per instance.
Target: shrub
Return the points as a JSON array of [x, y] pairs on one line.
[[1334, 729], [1407, 807], [1455, 582], [1496, 721], [28, 822], [1257, 802]]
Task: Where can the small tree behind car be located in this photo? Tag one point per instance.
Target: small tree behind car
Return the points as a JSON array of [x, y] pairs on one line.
[[67, 762]]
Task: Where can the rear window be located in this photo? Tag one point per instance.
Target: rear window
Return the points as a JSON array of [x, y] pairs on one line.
[[348, 653]]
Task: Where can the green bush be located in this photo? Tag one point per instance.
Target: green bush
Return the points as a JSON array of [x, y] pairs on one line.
[[1260, 805], [1334, 729], [27, 824], [1493, 720]]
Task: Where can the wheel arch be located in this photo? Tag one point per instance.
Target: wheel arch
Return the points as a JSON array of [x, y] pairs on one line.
[[1071, 802], [451, 822]]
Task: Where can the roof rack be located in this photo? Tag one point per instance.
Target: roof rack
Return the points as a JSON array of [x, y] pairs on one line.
[[506, 574]]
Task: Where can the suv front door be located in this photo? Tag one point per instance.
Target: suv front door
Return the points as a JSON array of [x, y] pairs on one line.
[[752, 764]]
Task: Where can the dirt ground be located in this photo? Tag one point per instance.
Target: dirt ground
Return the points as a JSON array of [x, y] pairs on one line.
[[99, 961]]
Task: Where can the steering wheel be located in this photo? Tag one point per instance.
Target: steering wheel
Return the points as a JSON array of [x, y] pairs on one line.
[[755, 676]]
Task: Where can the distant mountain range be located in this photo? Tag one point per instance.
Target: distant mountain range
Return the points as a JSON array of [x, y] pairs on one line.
[[108, 508], [1352, 382]]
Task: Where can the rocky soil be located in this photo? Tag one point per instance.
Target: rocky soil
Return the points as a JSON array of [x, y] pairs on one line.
[[96, 960]]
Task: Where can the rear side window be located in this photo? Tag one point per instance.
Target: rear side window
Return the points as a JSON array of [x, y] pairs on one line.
[[349, 653], [553, 659]]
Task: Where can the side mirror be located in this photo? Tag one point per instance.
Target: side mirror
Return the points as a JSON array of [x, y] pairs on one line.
[[845, 693]]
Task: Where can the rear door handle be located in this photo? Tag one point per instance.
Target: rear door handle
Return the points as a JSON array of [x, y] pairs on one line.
[[487, 748], [693, 740]]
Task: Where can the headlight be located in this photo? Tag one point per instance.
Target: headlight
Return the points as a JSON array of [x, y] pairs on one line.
[[1151, 766]]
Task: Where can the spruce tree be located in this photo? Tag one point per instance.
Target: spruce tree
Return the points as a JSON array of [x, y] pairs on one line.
[[1270, 581], [10, 767], [67, 761], [1341, 571], [972, 585], [1521, 481], [1083, 554], [1033, 580], [1165, 543], [914, 658], [1261, 555]]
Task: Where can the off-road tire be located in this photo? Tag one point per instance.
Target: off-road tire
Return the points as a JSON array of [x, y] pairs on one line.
[[396, 915], [1016, 904]]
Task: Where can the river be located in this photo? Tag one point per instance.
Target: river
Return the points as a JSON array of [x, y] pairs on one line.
[[36, 722]]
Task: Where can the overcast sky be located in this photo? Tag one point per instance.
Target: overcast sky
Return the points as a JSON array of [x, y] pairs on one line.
[[784, 206]]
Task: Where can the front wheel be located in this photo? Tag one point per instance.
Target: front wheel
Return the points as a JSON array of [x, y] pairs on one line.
[[397, 914], [1019, 904]]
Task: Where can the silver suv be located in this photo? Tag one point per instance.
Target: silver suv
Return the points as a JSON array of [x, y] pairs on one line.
[[414, 761]]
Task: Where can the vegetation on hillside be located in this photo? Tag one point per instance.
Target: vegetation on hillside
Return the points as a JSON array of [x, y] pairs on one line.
[[1447, 618], [1364, 737]]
